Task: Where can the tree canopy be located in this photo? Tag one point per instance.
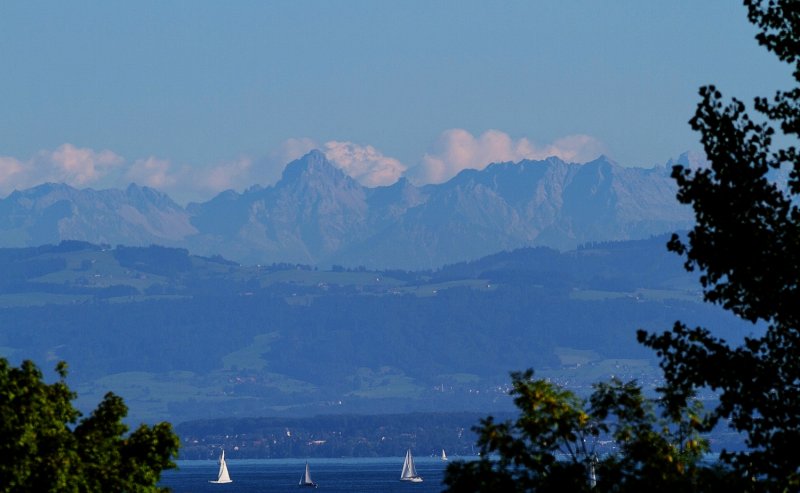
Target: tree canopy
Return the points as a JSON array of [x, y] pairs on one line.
[[557, 444], [746, 245], [46, 447]]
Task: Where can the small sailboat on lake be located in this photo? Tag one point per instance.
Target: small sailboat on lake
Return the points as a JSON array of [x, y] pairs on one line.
[[222, 475], [409, 470], [305, 479], [444, 456]]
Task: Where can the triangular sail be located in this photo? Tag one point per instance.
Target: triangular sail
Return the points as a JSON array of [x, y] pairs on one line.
[[409, 471], [444, 456], [306, 479], [222, 475]]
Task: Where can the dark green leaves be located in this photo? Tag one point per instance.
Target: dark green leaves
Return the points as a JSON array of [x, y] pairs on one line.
[[746, 244], [43, 449], [552, 446]]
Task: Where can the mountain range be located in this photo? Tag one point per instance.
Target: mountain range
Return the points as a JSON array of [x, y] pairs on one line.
[[315, 214]]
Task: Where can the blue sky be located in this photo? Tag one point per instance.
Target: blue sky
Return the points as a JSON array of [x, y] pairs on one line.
[[193, 97]]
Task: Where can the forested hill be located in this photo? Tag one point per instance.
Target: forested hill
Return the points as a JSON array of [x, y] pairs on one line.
[[74, 272], [182, 336]]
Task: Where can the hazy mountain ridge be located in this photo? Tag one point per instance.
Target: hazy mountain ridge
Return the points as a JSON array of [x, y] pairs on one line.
[[190, 336], [52, 212], [316, 214]]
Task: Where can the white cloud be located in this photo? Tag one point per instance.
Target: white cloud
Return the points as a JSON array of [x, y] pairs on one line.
[[457, 149], [364, 164], [78, 166], [185, 183], [153, 172], [454, 150], [68, 164], [10, 170], [228, 175]]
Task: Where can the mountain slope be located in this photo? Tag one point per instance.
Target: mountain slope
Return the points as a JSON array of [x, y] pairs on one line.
[[185, 337], [318, 215], [306, 216], [50, 213]]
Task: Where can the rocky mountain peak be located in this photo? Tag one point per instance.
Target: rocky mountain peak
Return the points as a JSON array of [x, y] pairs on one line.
[[141, 196], [314, 167], [317, 214]]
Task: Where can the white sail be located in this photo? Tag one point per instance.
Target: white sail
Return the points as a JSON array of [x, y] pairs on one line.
[[409, 471], [222, 475], [444, 456], [305, 479]]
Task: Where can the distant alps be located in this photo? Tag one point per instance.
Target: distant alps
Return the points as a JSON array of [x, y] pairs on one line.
[[315, 214]]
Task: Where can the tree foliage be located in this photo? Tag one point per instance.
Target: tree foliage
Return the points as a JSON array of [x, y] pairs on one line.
[[746, 244], [553, 445], [46, 447]]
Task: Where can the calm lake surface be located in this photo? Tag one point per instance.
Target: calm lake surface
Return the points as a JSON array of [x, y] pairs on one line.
[[332, 475]]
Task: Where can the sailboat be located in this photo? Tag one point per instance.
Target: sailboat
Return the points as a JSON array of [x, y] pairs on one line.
[[444, 456], [222, 475], [305, 479], [409, 471]]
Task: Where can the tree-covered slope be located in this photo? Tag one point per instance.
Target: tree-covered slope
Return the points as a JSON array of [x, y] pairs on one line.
[[184, 336]]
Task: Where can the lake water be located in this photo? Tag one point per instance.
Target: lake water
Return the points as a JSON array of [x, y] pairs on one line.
[[332, 475]]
